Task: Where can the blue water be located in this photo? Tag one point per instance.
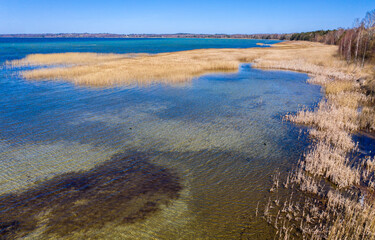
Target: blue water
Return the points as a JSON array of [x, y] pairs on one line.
[[12, 48], [221, 134]]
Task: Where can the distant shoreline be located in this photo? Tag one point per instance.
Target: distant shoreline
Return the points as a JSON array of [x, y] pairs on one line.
[[121, 36]]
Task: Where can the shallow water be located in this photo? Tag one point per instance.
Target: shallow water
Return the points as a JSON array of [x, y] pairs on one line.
[[220, 138]]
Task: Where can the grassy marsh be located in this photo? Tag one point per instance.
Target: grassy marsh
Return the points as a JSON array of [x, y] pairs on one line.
[[342, 185], [176, 67]]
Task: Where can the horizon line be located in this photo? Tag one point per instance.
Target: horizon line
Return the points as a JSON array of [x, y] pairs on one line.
[[126, 34]]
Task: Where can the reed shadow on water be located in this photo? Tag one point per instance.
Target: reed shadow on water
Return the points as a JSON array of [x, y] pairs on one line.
[[123, 190]]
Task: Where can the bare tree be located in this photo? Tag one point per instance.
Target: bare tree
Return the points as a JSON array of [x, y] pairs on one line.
[[369, 25], [359, 28]]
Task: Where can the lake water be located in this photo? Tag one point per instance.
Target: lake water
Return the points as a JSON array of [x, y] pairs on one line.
[[156, 162]]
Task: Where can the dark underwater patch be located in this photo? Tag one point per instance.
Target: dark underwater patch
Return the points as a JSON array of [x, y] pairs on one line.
[[122, 190]]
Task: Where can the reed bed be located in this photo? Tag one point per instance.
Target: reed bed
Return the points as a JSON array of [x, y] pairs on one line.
[[340, 196], [170, 68]]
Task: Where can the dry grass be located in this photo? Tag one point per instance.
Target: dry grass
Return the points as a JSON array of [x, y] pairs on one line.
[[177, 67], [330, 162], [344, 210], [347, 108], [100, 71], [367, 118], [105, 70], [338, 87], [67, 58]]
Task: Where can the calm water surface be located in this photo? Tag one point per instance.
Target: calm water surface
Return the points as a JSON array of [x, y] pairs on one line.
[[215, 142]]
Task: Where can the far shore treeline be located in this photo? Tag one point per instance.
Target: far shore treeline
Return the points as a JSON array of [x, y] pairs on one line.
[[356, 44]]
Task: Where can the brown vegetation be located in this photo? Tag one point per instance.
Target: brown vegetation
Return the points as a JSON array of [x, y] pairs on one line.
[[178, 67], [338, 181]]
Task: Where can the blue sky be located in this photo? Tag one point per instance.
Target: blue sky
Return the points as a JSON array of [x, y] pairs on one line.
[[166, 16]]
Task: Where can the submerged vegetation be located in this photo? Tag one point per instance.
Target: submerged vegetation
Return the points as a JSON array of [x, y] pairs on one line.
[[123, 190]]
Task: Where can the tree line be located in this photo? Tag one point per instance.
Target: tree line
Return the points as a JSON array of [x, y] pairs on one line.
[[356, 44]]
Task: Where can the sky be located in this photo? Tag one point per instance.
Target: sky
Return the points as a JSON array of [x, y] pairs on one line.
[[167, 16]]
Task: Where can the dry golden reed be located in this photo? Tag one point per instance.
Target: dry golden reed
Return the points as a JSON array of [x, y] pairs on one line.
[[345, 209], [177, 67], [343, 206]]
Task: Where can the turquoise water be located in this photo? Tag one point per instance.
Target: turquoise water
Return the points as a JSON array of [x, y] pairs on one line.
[[194, 160]]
